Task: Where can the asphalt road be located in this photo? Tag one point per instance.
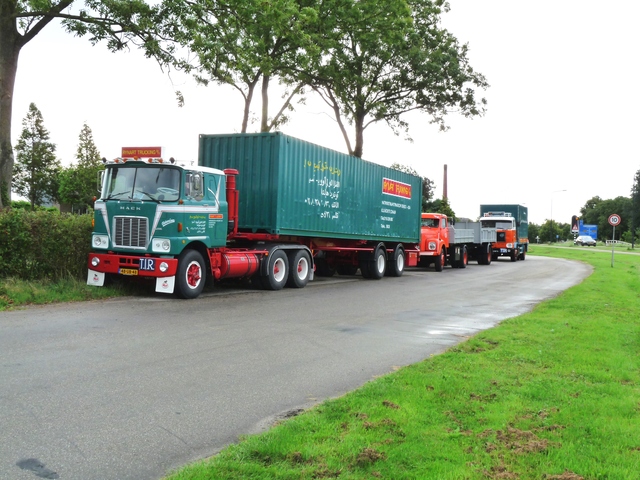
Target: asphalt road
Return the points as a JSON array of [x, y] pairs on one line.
[[133, 388]]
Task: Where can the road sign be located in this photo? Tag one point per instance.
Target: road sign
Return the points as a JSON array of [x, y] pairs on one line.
[[614, 219]]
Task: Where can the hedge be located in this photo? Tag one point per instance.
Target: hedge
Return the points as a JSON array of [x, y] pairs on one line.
[[37, 245]]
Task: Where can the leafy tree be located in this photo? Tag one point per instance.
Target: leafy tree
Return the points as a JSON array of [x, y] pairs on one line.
[[380, 60], [552, 231], [597, 211], [78, 183], [534, 231], [590, 212], [427, 186], [118, 22], [36, 171], [245, 44], [441, 206]]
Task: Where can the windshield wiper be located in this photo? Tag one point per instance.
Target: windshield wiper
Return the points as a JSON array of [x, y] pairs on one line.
[[113, 195]]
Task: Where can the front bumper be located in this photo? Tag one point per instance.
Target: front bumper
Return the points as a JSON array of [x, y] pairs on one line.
[[132, 265]]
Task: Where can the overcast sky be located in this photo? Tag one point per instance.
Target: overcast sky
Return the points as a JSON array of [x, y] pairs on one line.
[[561, 127]]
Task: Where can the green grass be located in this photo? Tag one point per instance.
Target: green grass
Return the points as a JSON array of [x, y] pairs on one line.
[[553, 394], [16, 293]]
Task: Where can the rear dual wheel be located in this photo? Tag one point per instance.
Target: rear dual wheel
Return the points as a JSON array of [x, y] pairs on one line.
[[374, 266], [395, 265], [300, 270], [277, 270]]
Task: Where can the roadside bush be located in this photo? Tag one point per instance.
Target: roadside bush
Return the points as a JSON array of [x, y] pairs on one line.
[[43, 244]]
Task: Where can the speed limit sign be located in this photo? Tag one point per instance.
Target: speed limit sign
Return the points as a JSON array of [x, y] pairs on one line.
[[614, 219]]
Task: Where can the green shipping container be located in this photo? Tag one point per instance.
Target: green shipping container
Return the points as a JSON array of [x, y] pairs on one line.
[[291, 187]]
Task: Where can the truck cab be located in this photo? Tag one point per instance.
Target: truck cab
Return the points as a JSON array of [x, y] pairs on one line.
[[508, 242], [152, 217], [434, 240]]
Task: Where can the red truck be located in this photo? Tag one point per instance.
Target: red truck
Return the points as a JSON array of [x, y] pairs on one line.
[[441, 243]]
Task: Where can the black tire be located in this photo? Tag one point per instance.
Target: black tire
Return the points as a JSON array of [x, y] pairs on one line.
[[299, 269], [395, 265], [440, 260], [192, 274], [378, 264], [364, 260], [514, 255], [484, 254], [522, 256], [277, 270], [464, 257]]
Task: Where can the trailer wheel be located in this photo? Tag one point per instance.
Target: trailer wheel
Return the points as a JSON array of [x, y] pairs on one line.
[[395, 265], [300, 268], [440, 259], [378, 264], [191, 275], [464, 257], [277, 270]]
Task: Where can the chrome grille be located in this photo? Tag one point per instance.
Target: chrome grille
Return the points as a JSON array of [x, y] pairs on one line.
[[131, 232]]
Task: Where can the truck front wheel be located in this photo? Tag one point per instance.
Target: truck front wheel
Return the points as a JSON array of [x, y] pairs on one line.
[[440, 259], [191, 274]]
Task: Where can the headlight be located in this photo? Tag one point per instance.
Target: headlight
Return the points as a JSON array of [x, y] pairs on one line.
[[432, 245], [95, 261], [100, 241], [161, 245], [164, 266], [509, 245]]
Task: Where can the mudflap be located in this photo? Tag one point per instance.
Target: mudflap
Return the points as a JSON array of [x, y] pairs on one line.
[[95, 279], [165, 284]]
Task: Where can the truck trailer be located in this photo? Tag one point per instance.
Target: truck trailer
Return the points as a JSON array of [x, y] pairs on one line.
[[512, 224], [266, 207], [442, 243]]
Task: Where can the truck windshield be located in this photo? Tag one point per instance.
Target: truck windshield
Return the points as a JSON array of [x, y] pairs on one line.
[[156, 183], [500, 225], [430, 222]]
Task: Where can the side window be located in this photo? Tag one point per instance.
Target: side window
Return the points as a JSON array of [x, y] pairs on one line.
[[194, 186]]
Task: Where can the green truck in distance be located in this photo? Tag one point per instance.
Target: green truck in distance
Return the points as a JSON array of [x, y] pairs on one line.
[[512, 224]]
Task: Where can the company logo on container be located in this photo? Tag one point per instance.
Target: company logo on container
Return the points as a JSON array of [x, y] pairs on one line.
[[397, 189]]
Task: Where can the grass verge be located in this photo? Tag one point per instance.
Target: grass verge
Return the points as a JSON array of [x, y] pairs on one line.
[[553, 394], [16, 293]]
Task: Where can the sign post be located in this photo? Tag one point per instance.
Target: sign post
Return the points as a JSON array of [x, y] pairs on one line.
[[614, 219]]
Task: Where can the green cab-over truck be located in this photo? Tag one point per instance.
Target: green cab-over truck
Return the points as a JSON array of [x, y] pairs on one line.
[[266, 207], [512, 224]]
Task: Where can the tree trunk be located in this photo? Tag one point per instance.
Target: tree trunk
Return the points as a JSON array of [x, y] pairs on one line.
[[10, 45], [359, 126], [264, 124]]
